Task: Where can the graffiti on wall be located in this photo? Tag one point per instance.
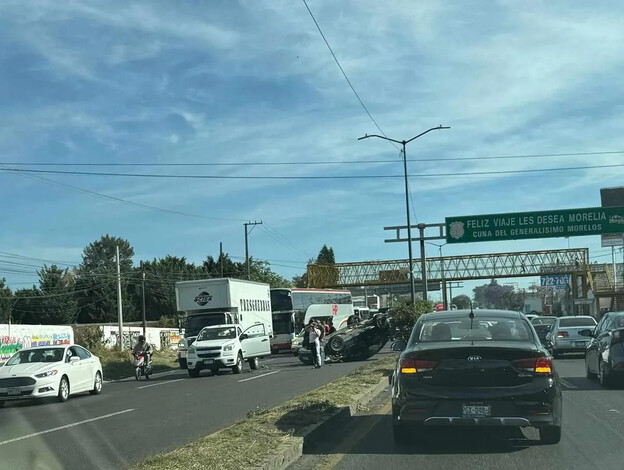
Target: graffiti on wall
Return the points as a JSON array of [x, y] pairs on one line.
[[129, 339], [170, 338], [30, 338]]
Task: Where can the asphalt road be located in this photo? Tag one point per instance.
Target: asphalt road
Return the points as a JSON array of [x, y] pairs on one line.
[[132, 420], [593, 437]]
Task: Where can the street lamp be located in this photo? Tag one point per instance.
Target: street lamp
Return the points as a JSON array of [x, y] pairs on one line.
[[407, 209], [444, 299]]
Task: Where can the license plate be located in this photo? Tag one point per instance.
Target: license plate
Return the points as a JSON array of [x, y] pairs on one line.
[[476, 411], [580, 344], [208, 361], [13, 391]]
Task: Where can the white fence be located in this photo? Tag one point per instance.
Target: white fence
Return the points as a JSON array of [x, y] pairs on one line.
[[16, 337]]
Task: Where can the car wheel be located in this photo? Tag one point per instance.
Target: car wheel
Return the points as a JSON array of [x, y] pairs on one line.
[[603, 374], [336, 344], [253, 363], [238, 368], [63, 393], [194, 373], [589, 374], [550, 434], [183, 364], [97, 384]]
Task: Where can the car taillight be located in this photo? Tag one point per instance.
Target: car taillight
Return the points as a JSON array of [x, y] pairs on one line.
[[539, 365], [562, 334], [413, 366]]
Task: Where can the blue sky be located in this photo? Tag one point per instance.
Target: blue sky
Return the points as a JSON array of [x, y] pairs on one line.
[[252, 81]]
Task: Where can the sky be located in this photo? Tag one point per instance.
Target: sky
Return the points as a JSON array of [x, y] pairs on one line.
[[252, 83]]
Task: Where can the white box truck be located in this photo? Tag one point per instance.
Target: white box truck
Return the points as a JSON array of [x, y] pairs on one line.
[[234, 319]]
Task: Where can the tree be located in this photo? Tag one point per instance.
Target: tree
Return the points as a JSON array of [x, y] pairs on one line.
[[326, 256], [461, 301], [25, 307], [96, 281], [329, 276], [6, 300], [57, 304], [302, 281], [160, 278], [405, 315], [261, 272], [212, 267], [493, 295]]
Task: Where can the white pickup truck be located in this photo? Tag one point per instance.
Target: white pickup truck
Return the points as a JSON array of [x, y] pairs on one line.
[[227, 346]]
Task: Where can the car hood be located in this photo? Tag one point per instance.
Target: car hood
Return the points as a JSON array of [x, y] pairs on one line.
[[27, 369], [213, 343]]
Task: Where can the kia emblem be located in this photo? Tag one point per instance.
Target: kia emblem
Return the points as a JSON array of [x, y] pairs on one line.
[[474, 359]]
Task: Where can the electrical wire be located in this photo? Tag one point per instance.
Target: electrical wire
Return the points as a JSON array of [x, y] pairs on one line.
[[315, 177], [312, 163]]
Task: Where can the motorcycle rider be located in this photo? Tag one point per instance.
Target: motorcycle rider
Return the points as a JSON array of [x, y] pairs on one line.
[[143, 347]]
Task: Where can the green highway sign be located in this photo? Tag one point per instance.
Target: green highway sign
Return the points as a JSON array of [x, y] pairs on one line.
[[542, 224]]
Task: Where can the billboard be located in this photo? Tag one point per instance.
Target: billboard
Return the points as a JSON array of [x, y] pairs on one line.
[[612, 197]]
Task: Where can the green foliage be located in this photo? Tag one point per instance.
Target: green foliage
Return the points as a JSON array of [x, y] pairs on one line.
[[96, 281], [171, 321], [6, 297], [461, 301], [88, 336], [326, 256], [405, 315], [493, 295], [261, 272]]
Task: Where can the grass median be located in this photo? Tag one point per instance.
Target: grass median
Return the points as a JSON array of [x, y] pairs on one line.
[[117, 364], [249, 442]]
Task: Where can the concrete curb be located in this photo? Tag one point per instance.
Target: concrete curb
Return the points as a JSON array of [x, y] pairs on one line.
[[291, 449]]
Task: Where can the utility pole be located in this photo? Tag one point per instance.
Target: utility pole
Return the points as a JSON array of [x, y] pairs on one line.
[[143, 305], [119, 307], [404, 143], [423, 261], [247, 224], [221, 257]]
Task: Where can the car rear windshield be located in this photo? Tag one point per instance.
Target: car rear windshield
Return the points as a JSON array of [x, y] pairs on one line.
[[543, 321], [30, 356], [571, 322], [482, 329]]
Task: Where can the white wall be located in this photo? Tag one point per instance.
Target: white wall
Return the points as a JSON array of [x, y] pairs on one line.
[[157, 337], [26, 336]]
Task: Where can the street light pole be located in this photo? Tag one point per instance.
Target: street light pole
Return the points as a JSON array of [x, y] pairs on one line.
[[404, 143], [444, 297]]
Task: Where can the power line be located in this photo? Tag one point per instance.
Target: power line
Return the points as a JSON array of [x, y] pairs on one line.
[[314, 177], [113, 198], [318, 162], [344, 74]]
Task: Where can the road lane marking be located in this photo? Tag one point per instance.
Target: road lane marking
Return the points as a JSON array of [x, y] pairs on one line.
[[258, 376], [568, 384], [47, 431], [159, 383]]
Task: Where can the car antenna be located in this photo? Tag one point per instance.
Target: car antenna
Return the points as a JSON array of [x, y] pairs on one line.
[[471, 315]]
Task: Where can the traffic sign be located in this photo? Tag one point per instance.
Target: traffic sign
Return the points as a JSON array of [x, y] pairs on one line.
[[540, 224]]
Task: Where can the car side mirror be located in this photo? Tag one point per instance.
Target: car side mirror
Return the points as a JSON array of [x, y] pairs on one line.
[[74, 359], [399, 345], [243, 336], [586, 333]]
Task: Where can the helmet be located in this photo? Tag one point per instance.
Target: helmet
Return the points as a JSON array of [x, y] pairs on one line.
[[141, 338]]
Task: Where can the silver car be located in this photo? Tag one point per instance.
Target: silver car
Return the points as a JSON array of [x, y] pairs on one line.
[[565, 335]]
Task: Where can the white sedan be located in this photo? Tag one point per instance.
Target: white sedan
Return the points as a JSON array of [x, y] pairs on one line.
[[50, 371]]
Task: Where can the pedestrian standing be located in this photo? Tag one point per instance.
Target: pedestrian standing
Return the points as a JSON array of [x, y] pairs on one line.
[[315, 344]]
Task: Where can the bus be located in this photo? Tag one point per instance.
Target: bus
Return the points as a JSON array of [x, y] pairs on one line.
[[294, 308]]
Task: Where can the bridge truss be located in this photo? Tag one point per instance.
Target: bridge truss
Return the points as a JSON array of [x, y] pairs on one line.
[[451, 268]]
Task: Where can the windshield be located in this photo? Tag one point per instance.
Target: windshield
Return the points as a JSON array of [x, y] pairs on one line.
[[283, 323], [543, 321], [281, 300], [572, 322], [194, 323], [36, 355], [483, 329], [217, 333]]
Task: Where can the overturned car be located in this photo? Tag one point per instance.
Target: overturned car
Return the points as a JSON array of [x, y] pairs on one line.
[[354, 343]]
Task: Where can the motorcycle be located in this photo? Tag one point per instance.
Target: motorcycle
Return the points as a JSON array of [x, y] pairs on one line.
[[142, 367]]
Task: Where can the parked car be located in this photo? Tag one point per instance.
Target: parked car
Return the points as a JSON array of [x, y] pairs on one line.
[[353, 343], [565, 335], [50, 371], [474, 368], [604, 356], [542, 325]]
